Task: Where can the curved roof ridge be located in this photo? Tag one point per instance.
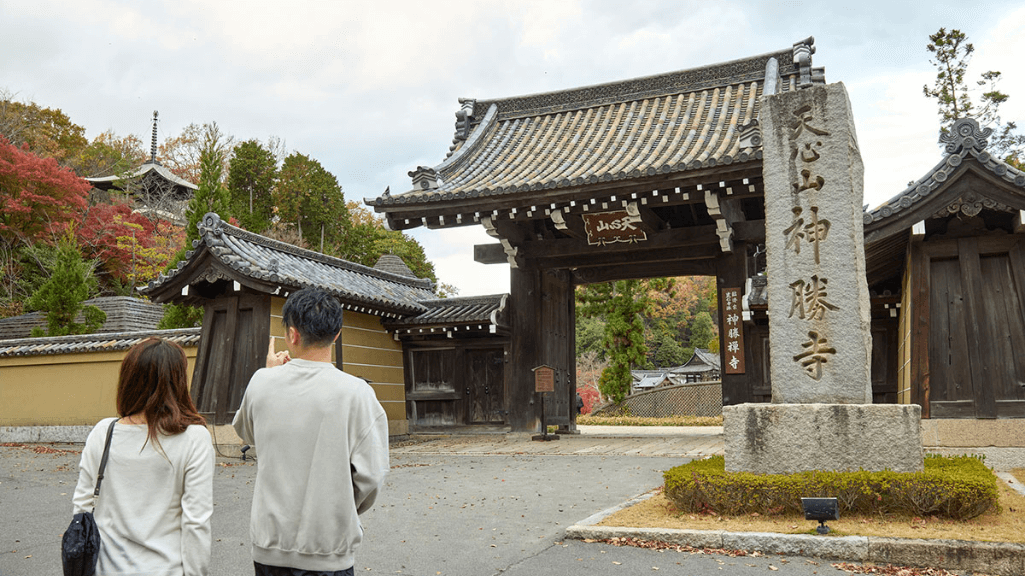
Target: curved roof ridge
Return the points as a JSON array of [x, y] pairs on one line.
[[462, 300], [212, 224], [966, 139], [666, 83]]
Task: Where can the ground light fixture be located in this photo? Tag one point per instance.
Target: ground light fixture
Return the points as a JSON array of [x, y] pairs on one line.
[[820, 509]]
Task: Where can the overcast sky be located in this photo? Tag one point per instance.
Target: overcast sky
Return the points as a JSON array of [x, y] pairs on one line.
[[370, 88]]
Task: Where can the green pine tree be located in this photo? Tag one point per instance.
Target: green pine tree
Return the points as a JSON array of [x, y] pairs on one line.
[[954, 98], [71, 282], [212, 195], [623, 304]]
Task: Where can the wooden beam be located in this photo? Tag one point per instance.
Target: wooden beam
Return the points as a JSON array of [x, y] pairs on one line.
[[595, 274], [660, 256], [726, 212], [415, 211], [675, 238], [920, 319], [490, 253], [570, 224], [647, 220]]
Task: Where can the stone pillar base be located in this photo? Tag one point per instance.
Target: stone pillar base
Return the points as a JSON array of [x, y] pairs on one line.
[[784, 438]]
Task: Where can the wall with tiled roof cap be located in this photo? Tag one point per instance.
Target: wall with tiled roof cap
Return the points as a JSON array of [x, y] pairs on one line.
[[70, 380]]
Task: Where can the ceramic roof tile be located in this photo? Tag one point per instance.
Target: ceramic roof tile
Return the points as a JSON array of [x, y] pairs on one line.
[[124, 314], [966, 140], [485, 310], [87, 343], [289, 267], [643, 127]]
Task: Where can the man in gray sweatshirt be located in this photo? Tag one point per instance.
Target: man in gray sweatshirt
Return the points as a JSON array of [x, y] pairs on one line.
[[322, 441]]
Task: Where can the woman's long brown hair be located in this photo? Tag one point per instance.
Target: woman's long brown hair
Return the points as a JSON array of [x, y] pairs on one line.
[[153, 382]]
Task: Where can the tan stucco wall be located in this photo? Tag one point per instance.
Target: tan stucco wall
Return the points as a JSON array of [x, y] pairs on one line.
[[62, 389], [369, 352]]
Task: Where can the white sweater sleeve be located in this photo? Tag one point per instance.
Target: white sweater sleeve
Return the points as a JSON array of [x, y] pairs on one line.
[[88, 466], [197, 507]]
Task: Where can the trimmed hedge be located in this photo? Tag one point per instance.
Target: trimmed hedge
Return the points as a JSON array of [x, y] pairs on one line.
[[958, 487], [592, 420]]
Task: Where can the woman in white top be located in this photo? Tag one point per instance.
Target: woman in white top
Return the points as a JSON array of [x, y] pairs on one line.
[[156, 499]]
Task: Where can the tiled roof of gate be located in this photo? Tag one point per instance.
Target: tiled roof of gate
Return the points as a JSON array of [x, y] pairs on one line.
[[270, 261], [449, 311], [109, 342], [647, 126]]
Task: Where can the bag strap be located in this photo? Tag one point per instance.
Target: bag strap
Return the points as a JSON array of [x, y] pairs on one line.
[[103, 461]]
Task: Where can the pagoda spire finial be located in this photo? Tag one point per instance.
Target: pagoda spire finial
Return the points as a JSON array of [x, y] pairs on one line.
[[153, 142]]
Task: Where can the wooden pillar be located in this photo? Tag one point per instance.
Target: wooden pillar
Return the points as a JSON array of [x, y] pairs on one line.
[[557, 345], [731, 272], [525, 296], [542, 333]]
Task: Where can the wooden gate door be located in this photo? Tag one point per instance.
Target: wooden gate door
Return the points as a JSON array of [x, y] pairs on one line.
[[976, 327], [485, 386], [232, 347]]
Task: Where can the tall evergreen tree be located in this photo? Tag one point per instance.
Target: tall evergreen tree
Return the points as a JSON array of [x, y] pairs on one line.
[[212, 195], [309, 197], [252, 172], [623, 304]]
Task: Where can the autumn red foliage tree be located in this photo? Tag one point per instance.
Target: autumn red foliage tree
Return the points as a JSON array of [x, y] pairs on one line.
[[124, 243], [38, 196]]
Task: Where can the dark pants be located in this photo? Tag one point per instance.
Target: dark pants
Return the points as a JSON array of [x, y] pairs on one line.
[[264, 570]]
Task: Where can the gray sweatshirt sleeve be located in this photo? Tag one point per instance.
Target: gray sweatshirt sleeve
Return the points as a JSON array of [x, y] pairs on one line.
[[243, 423], [369, 459]]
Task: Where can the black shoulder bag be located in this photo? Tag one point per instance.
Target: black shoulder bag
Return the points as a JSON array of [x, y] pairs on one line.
[[80, 547]]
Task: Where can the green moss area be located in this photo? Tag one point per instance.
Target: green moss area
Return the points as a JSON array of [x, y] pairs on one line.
[[957, 488]]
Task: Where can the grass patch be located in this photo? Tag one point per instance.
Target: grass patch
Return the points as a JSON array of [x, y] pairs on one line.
[[589, 420], [1005, 523], [1019, 473]]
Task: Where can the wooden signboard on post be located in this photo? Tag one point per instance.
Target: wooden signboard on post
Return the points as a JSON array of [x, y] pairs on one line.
[[733, 331], [544, 381]]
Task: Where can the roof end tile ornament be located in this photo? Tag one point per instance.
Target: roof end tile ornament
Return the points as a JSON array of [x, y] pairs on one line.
[[424, 178], [211, 222], [965, 135], [751, 135], [464, 120], [803, 50]]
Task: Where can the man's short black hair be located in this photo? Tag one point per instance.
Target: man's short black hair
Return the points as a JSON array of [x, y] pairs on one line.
[[315, 314]]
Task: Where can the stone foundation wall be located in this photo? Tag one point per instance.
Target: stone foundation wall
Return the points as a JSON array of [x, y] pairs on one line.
[[784, 438]]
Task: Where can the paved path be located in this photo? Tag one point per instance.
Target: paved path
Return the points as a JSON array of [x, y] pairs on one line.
[[453, 505], [664, 441]]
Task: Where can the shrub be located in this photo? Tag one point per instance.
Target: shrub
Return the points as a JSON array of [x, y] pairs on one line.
[[958, 487]]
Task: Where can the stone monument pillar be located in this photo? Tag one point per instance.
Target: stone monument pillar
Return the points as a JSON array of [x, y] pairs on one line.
[[821, 416]]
